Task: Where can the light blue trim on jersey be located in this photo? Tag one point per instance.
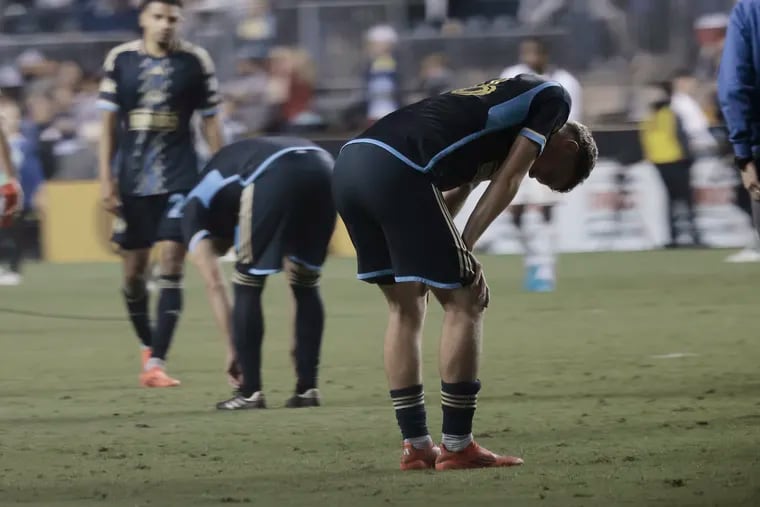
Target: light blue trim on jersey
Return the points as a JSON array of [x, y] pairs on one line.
[[207, 113], [263, 272], [107, 105], [500, 116], [513, 111], [311, 267], [535, 137], [374, 274], [274, 156], [431, 283], [393, 151], [197, 238], [210, 185]]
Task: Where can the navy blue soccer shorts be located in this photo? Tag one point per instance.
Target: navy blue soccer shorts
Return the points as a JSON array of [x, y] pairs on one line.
[[288, 212], [398, 221], [146, 220]]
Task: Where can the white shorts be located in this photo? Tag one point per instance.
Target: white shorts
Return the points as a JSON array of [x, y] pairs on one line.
[[533, 192]]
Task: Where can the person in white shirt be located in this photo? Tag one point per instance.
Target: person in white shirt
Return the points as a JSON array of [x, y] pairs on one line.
[[539, 247]]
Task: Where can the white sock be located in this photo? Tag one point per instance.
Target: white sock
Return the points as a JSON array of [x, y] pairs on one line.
[[420, 442], [154, 362], [456, 443]]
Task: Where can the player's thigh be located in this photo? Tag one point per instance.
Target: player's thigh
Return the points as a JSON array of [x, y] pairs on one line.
[[425, 245], [259, 235], [138, 226], [352, 191], [311, 223], [135, 263]]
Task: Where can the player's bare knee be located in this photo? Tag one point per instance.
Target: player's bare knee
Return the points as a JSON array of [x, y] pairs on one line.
[[172, 259], [462, 303], [408, 302], [135, 266]]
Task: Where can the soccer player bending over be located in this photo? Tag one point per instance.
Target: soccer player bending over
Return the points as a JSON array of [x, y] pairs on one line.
[[273, 197], [397, 186], [151, 89]]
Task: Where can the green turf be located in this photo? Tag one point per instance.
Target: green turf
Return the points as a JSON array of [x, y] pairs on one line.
[[570, 382]]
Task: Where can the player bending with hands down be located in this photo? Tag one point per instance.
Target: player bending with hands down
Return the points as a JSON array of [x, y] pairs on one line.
[[397, 186], [272, 197]]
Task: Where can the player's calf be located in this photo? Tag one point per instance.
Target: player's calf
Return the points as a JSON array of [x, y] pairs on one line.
[[309, 328], [248, 335]]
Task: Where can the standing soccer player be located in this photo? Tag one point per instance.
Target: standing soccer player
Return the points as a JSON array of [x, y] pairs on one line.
[[739, 93], [388, 188], [151, 89]]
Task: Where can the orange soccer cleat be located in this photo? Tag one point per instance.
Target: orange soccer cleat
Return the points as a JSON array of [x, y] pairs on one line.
[[473, 456], [419, 459], [157, 377]]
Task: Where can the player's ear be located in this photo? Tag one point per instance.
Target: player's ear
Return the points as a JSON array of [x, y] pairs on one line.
[[571, 146]]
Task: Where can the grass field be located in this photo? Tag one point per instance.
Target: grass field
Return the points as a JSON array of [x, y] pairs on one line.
[[636, 383]]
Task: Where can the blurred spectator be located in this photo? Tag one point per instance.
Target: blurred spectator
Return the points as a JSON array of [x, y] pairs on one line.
[[665, 144], [710, 33], [39, 129], [30, 177], [695, 123], [291, 91], [257, 29], [435, 75], [382, 82], [535, 59]]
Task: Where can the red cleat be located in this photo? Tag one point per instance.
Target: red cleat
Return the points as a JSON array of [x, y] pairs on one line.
[[419, 459], [156, 377], [473, 456]]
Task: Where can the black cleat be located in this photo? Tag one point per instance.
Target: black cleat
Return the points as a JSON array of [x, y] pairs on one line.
[[240, 402], [308, 399]]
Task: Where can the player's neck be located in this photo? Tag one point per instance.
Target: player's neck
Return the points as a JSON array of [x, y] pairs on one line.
[[157, 50]]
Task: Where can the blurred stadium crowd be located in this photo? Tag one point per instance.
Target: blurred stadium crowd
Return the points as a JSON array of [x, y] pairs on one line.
[[329, 68]]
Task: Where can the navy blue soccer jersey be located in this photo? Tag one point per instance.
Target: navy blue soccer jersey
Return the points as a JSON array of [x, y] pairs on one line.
[[465, 135], [212, 207], [155, 99]]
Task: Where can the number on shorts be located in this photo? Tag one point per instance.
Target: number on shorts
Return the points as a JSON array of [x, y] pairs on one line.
[[177, 202]]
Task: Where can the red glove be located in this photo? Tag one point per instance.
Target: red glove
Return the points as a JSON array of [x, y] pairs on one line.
[[10, 202]]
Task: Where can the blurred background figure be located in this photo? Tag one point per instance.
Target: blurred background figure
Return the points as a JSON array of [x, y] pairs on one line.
[[666, 143], [538, 242], [13, 240], [382, 81], [435, 75]]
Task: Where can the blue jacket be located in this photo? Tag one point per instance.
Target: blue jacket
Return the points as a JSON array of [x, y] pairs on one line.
[[29, 168], [739, 79]]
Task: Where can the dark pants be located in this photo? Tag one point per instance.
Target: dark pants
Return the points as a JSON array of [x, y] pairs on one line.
[[12, 243], [677, 179]]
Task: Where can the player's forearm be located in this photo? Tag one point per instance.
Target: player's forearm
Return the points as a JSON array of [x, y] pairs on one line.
[[455, 198], [212, 131], [222, 309], [106, 148], [492, 204], [5, 158], [205, 259]]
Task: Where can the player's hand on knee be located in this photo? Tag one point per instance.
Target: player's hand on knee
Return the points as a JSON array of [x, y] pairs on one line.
[[480, 286], [110, 198]]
